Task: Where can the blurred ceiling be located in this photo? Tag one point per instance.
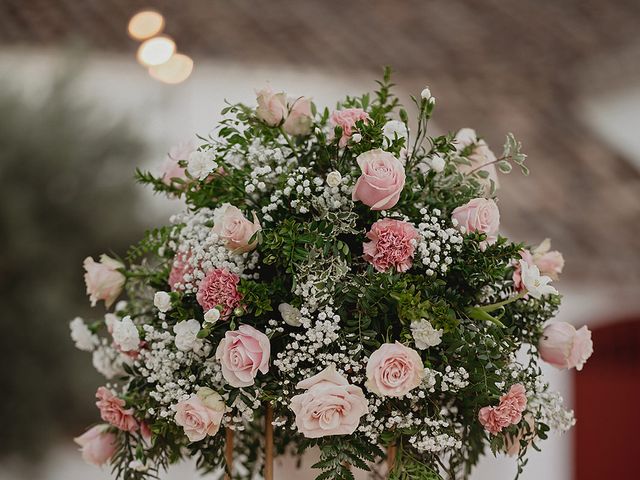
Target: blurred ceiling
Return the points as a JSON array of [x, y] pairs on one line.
[[523, 66]]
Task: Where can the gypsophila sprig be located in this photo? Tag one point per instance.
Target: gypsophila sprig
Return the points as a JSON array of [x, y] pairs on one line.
[[346, 276]]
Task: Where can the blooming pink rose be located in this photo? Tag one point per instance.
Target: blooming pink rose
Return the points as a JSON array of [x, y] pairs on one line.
[[394, 370], [104, 281], [330, 406], [242, 353], [201, 414], [170, 168], [113, 412], [219, 288], [382, 180], [508, 412], [300, 119], [392, 245], [180, 268], [481, 158], [563, 346], [492, 419], [232, 226], [347, 119], [478, 215], [272, 107], [513, 403], [97, 445]]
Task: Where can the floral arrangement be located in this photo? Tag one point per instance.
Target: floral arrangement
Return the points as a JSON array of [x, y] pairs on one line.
[[336, 281]]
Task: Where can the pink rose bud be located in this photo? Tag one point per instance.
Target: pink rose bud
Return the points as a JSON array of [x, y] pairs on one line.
[[170, 168], [234, 229], [243, 353], [562, 346], [394, 370], [201, 414], [330, 405], [113, 412], [346, 119], [382, 180], [478, 215], [97, 445], [392, 245], [103, 280], [299, 120], [272, 107]]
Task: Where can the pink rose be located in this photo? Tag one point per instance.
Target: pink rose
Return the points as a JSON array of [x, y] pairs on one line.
[[508, 412], [382, 180], [392, 245], [330, 405], [394, 370], [113, 412], [272, 107], [180, 269], [97, 445], [562, 346], [299, 120], [347, 119], [232, 226], [478, 215], [104, 281], [481, 158], [201, 414], [170, 168], [219, 288], [242, 353]]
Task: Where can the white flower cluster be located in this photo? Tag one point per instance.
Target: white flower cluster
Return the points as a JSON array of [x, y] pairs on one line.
[[437, 243], [204, 251], [107, 360], [550, 406], [454, 379], [82, 336], [424, 335]]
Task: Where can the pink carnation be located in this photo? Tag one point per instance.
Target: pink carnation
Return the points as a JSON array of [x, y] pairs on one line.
[[392, 245], [347, 119], [219, 288], [113, 412], [180, 268], [508, 412]]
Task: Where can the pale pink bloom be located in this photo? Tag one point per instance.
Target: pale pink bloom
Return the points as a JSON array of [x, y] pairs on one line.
[[180, 268], [512, 441], [525, 255], [200, 415], [393, 370], [272, 107], [97, 445], [219, 288], [299, 120], [513, 403], [347, 119], [392, 245], [103, 280], [562, 346], [170, 168], [492, 419], [381, 182], [234, 229], [549, 262], [478, 215], [243, 353], [330, 406], [481, 158], [113, 412]]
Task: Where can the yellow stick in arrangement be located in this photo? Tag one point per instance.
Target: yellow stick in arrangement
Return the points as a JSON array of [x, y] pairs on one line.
[[268, 442], [228, 453]]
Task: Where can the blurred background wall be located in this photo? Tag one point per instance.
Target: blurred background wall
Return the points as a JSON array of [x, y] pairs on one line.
[[78, 113]]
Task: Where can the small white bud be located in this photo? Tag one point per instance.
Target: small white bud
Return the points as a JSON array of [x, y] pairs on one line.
[[212, 316], [162, 301], [426, 93], [437, 163], [334, 179], [356, 138]]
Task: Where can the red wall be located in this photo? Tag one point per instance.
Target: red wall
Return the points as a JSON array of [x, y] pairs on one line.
[[607, 404]]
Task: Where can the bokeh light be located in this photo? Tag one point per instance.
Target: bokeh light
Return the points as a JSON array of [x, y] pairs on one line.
[[156, 51], [145, 24], [176, 70]]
